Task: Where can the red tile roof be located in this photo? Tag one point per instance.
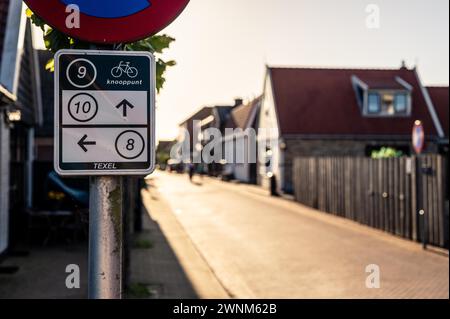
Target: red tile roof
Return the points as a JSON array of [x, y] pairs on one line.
[[439, 96], [323, 101], [382, 83]]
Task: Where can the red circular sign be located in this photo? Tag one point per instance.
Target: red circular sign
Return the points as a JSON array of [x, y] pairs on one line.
[[110, 21], [418, 137]]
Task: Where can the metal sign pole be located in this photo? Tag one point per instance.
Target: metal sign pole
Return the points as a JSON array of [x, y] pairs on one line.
[[418, 141], [420, 204], [104, 128], [105, 238]]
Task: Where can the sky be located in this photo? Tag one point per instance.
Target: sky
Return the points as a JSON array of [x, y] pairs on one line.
[[223, 46]]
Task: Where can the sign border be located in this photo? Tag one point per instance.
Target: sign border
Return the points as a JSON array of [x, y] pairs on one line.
[[152, 141]]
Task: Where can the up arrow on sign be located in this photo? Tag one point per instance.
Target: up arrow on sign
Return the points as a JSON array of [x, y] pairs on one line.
[[125, 104]]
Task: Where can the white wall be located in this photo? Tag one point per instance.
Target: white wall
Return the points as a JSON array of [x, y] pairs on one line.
[[269, 133], [241, 166], [240, 153]]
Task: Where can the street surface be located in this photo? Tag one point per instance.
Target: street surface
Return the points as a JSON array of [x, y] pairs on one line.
[[263, 247]]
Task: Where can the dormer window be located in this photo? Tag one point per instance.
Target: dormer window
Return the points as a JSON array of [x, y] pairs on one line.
[[401, 103], [388, 103], [374, 103], [386, 99]]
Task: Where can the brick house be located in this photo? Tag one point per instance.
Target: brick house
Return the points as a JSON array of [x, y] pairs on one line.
[[334, 112]]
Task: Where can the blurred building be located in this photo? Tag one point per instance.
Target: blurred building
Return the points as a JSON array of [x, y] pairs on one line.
[[345, 112], [163, 152], [187, 130], [20, 112], [240, 147], [194, 129]]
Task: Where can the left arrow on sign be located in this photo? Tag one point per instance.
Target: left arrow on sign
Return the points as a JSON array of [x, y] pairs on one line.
[[83, 143]]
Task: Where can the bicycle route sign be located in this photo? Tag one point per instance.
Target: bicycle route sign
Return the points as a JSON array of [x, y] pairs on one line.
[[104, 113]]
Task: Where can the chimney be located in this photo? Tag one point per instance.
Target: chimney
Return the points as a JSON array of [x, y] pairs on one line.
[[403, 66], [238, 101]]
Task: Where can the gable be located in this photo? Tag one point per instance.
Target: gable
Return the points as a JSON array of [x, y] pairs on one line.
[[4, 5], [243, 116], [13, 34], [18, 62], [268, 117]]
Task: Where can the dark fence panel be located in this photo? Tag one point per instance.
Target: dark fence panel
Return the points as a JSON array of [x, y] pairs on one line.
[[380, 193]]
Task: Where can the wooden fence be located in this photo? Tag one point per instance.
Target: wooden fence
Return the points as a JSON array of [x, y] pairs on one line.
[[381, 193]]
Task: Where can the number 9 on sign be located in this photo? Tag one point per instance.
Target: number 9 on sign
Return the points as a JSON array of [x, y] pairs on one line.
[[81, 73], [130, 145], [83, 107]]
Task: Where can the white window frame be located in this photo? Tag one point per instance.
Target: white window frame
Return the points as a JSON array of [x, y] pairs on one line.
[[383, 92]]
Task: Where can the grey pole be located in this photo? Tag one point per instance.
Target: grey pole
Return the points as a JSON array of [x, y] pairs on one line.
[[422, 218], [105, 238]]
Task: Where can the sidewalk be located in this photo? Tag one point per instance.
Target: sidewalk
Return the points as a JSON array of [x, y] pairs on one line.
[[164, 261], [164, 264], [42, 275]]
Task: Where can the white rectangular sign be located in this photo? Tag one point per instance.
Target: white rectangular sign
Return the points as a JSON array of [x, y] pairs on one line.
[[104, 112]]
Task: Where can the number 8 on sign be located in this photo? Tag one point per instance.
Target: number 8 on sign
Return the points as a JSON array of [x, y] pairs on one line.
[[130, 145]]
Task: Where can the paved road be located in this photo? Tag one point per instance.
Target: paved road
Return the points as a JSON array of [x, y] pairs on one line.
[[264, 247]]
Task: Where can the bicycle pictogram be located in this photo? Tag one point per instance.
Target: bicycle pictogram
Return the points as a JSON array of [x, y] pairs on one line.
[[124, 68]]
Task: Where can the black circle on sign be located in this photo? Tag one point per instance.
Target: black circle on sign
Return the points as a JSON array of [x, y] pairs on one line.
[[81, 73], [74, 117], [127, 157]]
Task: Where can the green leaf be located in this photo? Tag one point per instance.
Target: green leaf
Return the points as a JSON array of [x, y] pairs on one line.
[[55, 40], [50, 66], [161, 42]]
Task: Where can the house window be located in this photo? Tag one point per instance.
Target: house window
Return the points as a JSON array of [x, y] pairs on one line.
[[374, 103], [401, 103], [388, 103]]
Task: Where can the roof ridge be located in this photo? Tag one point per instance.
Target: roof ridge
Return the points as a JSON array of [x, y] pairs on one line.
[[437, 86], [329, 68]]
